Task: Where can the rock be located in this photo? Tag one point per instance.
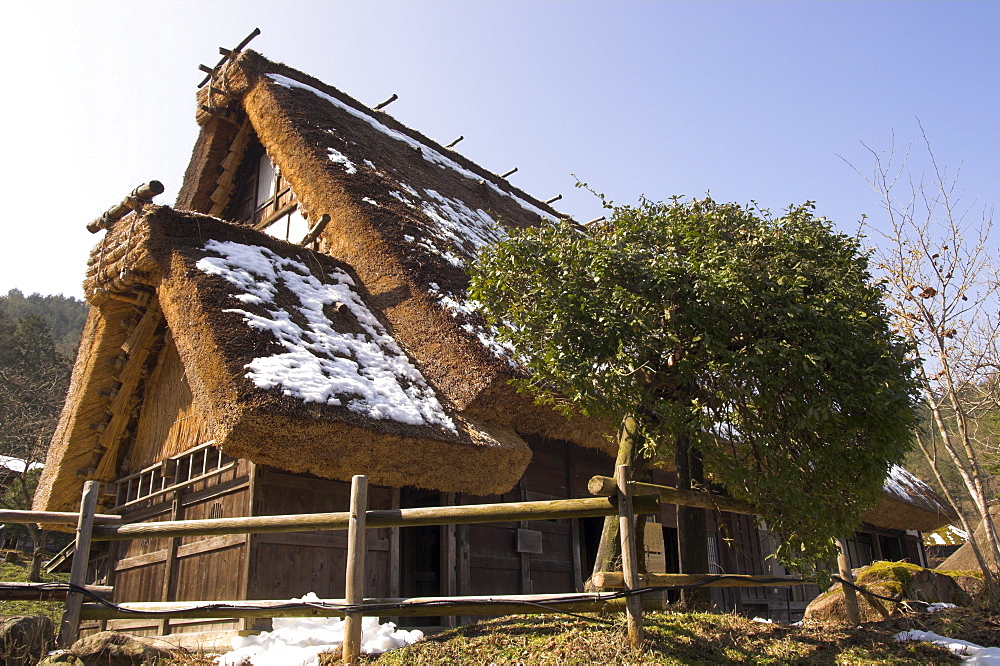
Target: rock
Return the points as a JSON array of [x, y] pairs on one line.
[[115, 649], [24, 639], [11, 556], [889, 579]]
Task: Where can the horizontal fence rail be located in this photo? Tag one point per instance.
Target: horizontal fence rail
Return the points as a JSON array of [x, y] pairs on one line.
[[46, 591], [403, 607], [54, 517], [611, 580], [605, 486], [588, 507]]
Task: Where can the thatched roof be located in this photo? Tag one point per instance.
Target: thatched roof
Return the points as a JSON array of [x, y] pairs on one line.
[[909, 504], [288, 362], [407, 214], [964, 559]]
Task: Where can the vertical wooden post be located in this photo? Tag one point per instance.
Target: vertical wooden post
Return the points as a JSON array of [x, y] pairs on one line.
[[449, 561], [394, 554], [70, 628], [626, 527], [356, 551], [170, 564], [850, 595]]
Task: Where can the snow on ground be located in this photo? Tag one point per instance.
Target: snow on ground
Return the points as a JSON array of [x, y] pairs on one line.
[[300, 641], [970, 652], [367, 372], [17, 464]]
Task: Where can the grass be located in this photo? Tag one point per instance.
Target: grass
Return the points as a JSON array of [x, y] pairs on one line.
[[693, 638], [17, 572], [682, 638]]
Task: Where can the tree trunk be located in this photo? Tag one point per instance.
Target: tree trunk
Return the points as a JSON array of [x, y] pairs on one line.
[[629, 453], [692, 535], [39, 538]]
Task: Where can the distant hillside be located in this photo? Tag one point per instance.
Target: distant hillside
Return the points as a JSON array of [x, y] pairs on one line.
[[65, 316]]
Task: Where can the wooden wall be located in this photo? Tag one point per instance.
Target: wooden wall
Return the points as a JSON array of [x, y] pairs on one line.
[[287, 565], [188, 568]]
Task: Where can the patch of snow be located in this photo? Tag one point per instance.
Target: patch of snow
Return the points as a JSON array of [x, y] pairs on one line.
[[339, 158], [18, 465], [428, 153], [371, 201], [970, 652], [464, 308], [938, 605], [762, 620], [300, 641], [367, 372]]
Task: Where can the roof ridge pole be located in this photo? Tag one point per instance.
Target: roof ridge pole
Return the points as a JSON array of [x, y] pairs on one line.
[[354, 591]]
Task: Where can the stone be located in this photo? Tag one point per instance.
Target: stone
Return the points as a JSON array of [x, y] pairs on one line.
[[117, 649], [25, 639]]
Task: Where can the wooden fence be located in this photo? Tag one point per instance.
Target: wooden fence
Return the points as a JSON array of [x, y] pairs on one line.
[[617, 496]]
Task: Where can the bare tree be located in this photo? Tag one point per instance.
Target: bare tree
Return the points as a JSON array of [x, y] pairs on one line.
[[941, 284]]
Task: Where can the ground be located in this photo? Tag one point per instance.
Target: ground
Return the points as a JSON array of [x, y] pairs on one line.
[[686, 638], [17, 572]]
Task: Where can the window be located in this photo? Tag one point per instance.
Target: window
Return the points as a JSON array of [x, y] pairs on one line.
[[264, 199]]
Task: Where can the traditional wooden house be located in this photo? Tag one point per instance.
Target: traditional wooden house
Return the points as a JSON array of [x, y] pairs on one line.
[[301, 317]]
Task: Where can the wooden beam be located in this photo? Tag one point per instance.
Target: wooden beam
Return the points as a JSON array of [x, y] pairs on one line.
[[70, 627], [605, 486], [630, 570], [170, 565], [518, 604], [44, 591], [443, 515], [137, 346], [614, 580], [55, 517]]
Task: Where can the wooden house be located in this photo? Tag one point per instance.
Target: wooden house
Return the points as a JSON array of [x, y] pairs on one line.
[[226, 369]]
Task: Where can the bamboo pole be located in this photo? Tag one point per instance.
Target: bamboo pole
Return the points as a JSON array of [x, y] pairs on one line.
[[55, 517], [515, 604], [70, 627], [850, 596], [630, 570], [614, 580], [605, 486], [354, 590], [439, 515]]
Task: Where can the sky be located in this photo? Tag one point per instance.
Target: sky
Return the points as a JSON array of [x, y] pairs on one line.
[[765, 101]]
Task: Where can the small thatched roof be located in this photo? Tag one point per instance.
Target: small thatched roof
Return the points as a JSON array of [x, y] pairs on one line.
[[964, 559], [909, 504], [287, 360], [408, 214]]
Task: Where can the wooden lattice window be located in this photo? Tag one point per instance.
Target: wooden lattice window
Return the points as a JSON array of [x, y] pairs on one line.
[[264, 200], [196, 464]]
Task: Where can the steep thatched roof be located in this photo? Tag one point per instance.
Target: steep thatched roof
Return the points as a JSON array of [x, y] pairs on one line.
[[407, 214], [909, 504], [287, 360]]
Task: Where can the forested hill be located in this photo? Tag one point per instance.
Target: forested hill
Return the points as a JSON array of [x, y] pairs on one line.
[[65, 316]]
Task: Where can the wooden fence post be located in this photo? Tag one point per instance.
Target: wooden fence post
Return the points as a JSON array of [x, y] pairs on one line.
[[354, 592], [70, 627], [626, 528], [850, 596]]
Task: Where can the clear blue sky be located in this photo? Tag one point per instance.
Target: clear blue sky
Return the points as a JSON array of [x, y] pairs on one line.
[[744, 100]]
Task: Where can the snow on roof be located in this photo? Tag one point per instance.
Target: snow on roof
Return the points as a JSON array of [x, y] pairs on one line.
[[905, 487], [430, 154], [367, 372]]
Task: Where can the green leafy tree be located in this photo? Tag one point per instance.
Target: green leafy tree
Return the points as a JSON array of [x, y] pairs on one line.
[[758, 344]]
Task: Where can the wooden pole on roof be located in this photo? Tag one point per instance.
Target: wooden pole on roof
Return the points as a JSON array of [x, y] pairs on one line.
[[70, 627], [630, 559], [354, 592]]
